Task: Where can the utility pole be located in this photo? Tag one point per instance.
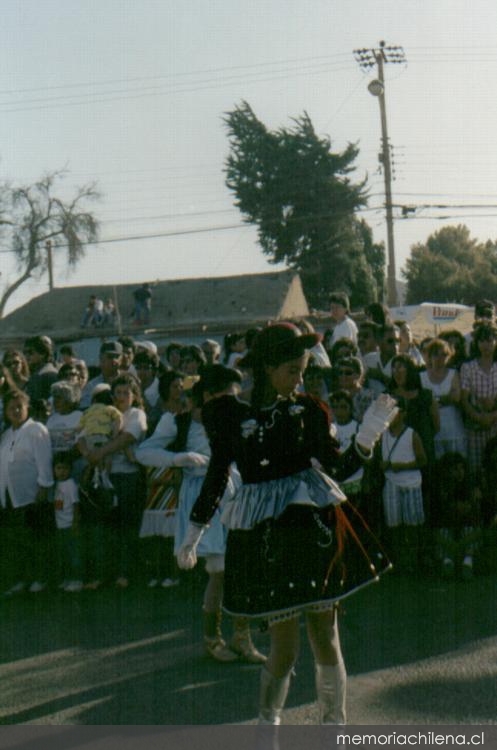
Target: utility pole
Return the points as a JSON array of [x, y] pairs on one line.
[[367, 58], [48, 246]]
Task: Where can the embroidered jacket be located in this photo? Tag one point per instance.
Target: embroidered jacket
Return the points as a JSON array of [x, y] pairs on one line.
[[267, 444]]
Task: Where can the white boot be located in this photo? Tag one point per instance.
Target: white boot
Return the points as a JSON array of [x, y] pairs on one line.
[[331, 686], [272, 697]]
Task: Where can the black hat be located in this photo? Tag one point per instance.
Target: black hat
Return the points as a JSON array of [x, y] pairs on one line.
[[279, 343]]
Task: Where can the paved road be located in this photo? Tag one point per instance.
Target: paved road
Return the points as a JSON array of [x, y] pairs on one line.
[[416, 651]]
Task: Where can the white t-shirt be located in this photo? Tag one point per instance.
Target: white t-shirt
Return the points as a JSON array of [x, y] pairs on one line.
[[151, 394], [65, 498], [347, 329], [320, 355], [373, 360], [400, 450], [135, 424], [63, 430]]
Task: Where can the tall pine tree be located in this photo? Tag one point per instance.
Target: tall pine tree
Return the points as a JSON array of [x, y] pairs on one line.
[[301, 196]]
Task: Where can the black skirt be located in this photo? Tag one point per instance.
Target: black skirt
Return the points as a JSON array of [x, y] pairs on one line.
[[308, 557]]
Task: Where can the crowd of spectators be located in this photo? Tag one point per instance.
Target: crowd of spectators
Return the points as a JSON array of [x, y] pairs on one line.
[[73, 494]]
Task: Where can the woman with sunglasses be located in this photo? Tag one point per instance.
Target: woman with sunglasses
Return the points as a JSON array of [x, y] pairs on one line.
[[350, 377]]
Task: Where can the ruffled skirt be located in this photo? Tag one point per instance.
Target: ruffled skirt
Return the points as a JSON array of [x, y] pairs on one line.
[[305, 551], [253, 503]]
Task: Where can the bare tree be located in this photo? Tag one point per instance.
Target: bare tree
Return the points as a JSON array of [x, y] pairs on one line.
[[31, 215]]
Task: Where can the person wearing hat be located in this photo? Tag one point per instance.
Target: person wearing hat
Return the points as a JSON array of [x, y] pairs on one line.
[[294, 544], [180, 441], [110, 362], [38, 351]]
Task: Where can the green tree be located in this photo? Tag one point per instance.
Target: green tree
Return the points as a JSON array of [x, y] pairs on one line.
[[31, 215], [300, 195], [451, 266]]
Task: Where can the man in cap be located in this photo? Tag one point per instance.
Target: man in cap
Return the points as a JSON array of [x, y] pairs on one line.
[[110, 363]]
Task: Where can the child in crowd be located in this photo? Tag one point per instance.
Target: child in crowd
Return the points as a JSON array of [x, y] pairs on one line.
[[403, 457], [63, 423], [66, 505], [345, 430], [98, 425], [315, 383], [455, 516]]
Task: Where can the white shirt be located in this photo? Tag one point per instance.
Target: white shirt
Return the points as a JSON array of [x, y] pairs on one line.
[[153, 451], [63, 430], [65, 498], [25, 463], [347, 329], [320, 355], [400, 450], [373, 360], [135, 424], [85, 401], [151, 394]]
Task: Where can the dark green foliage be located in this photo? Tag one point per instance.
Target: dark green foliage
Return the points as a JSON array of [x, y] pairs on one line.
[[451, 266], [300, 195]]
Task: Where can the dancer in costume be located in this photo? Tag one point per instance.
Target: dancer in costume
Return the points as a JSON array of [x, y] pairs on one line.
[[181, 441], [294, 544]]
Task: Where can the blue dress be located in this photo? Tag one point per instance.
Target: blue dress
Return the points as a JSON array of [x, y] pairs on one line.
[[153, 452]]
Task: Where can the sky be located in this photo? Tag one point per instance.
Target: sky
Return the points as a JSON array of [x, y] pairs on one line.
[[131, 95]]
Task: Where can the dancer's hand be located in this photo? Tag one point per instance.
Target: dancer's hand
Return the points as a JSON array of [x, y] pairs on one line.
[[187, 555], [190, 460], [376, 420]]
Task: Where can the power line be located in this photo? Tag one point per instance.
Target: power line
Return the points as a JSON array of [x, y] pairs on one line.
[[209, 71], [199, 230], [206, 86]]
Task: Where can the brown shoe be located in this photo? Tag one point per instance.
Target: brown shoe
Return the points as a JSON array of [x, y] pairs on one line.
[[241, 643], [218, 650]]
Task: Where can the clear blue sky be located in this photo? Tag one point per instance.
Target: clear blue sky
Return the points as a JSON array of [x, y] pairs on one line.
[[131, 94]]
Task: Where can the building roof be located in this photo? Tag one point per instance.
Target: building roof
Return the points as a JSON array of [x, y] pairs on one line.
[[176, 304]]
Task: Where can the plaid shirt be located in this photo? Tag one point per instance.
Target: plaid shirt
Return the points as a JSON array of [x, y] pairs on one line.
[[479, 384]]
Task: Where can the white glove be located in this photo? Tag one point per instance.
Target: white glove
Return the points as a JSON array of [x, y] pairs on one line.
[[187, 554], [190, 460], [376, 420]]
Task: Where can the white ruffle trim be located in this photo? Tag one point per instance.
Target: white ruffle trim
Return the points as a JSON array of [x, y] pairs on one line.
[[256, 502]]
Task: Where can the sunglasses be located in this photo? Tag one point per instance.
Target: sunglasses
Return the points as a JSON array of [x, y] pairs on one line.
[[347, 372]]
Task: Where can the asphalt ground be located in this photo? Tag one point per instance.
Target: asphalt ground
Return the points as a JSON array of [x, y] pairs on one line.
[[418, 651]]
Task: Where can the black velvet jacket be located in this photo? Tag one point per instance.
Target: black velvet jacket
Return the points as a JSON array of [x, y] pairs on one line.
[[267, 444]]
